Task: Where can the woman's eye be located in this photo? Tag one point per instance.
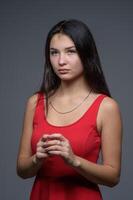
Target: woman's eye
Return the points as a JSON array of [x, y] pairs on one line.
[[53, 53], [71, 51]]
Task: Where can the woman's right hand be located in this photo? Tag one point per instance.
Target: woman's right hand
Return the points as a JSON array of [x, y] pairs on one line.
[[41, 154]]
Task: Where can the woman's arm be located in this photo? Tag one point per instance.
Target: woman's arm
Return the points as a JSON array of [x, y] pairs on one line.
[[108, 173], [26, 162]]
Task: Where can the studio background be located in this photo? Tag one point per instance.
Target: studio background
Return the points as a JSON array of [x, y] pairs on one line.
[[24, 25]]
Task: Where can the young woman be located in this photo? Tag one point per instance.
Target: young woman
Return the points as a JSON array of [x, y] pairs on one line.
[[69, 120]]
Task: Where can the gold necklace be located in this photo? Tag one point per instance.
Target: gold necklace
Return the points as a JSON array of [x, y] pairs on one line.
[[50, 103]]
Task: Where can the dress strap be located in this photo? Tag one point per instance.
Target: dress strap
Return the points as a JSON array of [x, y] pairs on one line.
[[39, 104], [94, 108], [40, 98]]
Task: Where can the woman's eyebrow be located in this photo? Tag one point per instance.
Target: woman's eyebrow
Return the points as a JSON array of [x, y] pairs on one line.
[[70, 47], [65, 48]]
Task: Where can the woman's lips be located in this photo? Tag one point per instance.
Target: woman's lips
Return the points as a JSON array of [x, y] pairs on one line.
[[63, 71]]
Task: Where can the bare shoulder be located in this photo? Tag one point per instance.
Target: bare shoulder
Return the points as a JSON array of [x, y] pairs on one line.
[[109, 115], [32, 101], [109, 108], [109, 105]]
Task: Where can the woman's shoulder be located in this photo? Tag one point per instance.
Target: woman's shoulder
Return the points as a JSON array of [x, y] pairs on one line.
[[32, 100], [109, 105]]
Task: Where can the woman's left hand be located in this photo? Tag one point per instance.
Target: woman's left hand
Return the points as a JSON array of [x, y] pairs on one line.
[[57, 144]]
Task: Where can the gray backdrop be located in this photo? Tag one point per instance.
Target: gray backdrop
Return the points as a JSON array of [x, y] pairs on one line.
[[23, 28]]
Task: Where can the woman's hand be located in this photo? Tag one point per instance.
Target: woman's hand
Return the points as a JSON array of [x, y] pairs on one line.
[[57, 144], [41, 153]]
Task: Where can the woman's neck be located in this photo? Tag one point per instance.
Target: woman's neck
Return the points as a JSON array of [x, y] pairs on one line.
[[70, 88]]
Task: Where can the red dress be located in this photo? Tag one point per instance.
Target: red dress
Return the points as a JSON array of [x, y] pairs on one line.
[[56, 180]]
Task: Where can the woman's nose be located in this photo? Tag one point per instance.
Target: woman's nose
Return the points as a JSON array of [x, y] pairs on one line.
[[62, 59]]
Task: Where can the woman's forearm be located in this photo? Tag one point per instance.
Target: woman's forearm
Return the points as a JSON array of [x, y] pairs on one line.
[[97, 173], [28, 167]]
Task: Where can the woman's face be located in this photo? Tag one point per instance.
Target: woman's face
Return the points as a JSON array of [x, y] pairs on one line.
[[64, 57]]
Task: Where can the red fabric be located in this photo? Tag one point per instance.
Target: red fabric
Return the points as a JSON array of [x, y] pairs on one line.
[[56, 180]]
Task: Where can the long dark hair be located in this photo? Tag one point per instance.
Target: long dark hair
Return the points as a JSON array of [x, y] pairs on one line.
[[86, 48]]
